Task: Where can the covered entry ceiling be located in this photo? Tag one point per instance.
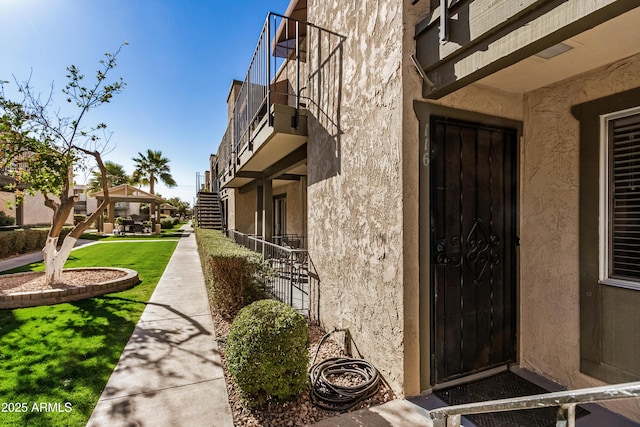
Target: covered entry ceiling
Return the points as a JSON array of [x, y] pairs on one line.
[[604, 44]]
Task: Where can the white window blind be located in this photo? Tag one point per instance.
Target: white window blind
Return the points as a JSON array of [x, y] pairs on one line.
[[624, 198]]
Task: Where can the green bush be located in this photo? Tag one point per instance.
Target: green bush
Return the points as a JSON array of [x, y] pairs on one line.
[[267, 352], [77, 219], [6, 219], [235, 276], [166, 223], [27, 240], [19, 244], [34, 240]]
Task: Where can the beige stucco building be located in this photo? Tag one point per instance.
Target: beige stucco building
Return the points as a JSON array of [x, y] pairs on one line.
[[30, 212], [464, 181]]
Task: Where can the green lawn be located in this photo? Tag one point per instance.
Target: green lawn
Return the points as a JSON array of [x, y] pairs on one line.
[[63, 355]]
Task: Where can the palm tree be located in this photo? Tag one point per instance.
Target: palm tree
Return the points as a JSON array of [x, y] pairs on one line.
[[150, 168], [115, 176]]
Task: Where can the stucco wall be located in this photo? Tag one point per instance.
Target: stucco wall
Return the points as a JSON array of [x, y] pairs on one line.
[[415, 350], [35, 212], [355, 186], [241, 210], [33, 208], [485, 100], [7, 199], [549, 217], [245, 212]]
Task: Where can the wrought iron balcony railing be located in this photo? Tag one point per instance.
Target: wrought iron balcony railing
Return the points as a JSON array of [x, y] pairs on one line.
[[273, 77], [225, 161], [292, 57]]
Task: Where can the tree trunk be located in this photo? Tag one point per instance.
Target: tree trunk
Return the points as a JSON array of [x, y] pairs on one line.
[[55, 259]]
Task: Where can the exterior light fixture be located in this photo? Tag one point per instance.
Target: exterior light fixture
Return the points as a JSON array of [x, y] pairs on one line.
[[554, 50]]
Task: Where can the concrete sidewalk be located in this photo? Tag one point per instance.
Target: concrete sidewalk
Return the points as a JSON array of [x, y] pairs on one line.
[[170, 373], [20, 260]]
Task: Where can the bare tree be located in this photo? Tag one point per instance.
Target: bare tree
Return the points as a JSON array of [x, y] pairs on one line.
[[41, 149]]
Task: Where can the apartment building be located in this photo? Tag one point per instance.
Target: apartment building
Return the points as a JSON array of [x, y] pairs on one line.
[[462, 176], [30, 212]]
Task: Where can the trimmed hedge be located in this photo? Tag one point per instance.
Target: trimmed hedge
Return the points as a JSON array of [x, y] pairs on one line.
[[77, 219], [267, 352], [235, 275], [23, 241], [6, 219]]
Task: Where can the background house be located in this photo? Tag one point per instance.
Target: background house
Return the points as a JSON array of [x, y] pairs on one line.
[[167, 209], [88, 203], [126, 201]]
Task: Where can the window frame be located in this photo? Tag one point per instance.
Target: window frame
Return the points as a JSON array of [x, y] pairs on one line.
[[606, 189]]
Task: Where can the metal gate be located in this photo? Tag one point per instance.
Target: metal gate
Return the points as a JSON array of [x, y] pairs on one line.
[[473, 235]]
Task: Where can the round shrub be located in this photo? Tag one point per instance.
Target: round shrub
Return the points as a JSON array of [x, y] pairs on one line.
[[166, 223], [267, 352]]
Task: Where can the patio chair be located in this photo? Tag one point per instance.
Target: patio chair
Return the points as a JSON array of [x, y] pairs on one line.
[[127, 226]]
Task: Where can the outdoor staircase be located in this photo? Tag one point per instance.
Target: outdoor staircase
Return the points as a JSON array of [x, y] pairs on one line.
[[208, 213]]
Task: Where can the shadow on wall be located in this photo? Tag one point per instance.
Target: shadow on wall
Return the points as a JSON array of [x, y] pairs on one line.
[[324, 89]]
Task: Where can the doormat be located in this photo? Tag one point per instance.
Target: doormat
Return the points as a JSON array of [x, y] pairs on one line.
[[503, 386]]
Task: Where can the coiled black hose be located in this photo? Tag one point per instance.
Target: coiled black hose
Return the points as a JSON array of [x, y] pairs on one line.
[[334, 397]]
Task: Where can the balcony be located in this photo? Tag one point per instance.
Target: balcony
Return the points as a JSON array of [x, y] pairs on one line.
[[268, 121], [520, 46]]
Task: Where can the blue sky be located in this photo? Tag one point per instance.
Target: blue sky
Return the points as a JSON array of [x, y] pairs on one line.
[[178, 66]]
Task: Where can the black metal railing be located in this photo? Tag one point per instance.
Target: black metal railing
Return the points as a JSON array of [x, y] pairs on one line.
[[292, 278], [200, 183], [283, 70], [273, 77], [224, 161], [566, 402]]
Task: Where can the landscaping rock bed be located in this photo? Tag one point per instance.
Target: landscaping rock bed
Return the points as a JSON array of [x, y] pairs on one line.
[[295, 413], [29, 289]]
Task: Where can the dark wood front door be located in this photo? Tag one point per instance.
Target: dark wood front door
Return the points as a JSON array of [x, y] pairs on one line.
[[473, 235]]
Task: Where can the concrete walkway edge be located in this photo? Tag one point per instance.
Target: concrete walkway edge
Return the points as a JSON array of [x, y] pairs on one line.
[[170, 372]]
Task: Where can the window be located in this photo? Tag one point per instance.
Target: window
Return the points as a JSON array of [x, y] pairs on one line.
[[280, 215], [620, 199], [609, 147]]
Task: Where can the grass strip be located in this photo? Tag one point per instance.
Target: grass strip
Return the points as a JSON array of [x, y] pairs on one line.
[[55, 360]]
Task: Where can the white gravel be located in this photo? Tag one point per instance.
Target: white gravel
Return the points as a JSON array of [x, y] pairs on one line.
[[29, 282]]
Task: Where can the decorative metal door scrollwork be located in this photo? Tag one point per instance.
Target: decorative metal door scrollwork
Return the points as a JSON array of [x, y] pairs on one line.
[[477, 251]]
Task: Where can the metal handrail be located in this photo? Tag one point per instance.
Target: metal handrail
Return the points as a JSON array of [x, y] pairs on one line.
[[291, 280], [566, 402]]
